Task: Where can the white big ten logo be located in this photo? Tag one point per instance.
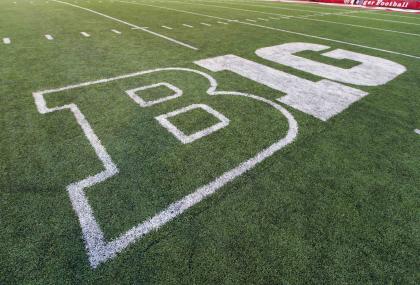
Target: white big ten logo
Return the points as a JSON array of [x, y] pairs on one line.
[[323, 99], [98, 248]]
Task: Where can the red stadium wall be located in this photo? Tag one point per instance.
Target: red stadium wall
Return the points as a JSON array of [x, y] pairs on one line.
[[403, 4]]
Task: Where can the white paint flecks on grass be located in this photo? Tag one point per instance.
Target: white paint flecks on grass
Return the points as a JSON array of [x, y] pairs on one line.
[[116, 31], [85, 34], [188, 26], [166, 27], [180, 135], [99, 250], [205, 24], [129, 24], [49, 37], [7, 41], [143, 103]]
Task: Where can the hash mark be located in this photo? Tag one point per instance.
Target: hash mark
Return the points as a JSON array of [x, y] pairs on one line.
[[49, 37], [7, 41], [85, 34], [417, 131], [185, 25], [205, 24], [166, 27], [117, 32]]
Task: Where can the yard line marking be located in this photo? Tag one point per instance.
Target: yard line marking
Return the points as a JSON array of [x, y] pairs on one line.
[[49, 37], [222, 23], [98, 248], [280, 30], [7, 41], [85, 34], [188, 26], [314, 20], [251, 20], [205, 24], [417, 131], [129, 24], [116, 31], [262, 19], [166, 27]]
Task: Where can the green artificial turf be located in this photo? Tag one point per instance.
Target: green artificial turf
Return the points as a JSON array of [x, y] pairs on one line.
[[340, 205]]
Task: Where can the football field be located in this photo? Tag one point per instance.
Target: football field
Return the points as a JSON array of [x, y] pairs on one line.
[[208, 142]]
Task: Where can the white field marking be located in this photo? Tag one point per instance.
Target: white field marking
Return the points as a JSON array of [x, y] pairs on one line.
[[417, 131], [315, 20], [98, 249], [382, 20], [139, 28], [116, 31], [188, 26], [323, 99], [262, 19], [281, 30], [205, 24], [143, 103], [166, 27], [223, 23], [180, 135], [129, 24], [372, 70], [49, 37], [7, 41], [250, 20], [85, 34], [389, 15]]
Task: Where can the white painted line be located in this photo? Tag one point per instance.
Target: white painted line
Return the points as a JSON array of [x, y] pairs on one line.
[[98, 248], [205, 24], [180, 135], [129, 24], [262, 19], [249, 20], [281, 30], [133, 93], [49, 37], [417, 131], [166, 27], [139, 28], [116, 31], [7, 41], [188, 26], [222, 23], [85, 34], [317, 20]]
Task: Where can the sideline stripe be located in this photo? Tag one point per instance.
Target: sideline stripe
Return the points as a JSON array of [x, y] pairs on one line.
[[85, 34], [166, 27], [49, 37], [129, 24], [7, 41], [116, 31], [314, 20], [279, 30]]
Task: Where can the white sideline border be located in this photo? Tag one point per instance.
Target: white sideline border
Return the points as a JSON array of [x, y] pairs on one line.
[[180, 135], [129, 24], [278, 29], [98, 249]]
